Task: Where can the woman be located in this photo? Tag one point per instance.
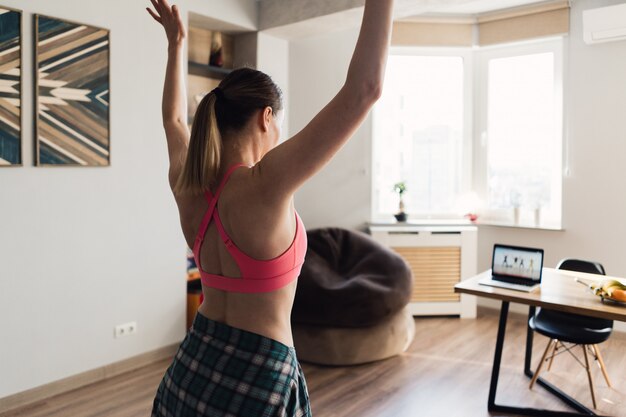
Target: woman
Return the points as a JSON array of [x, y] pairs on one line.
[[234, 188]]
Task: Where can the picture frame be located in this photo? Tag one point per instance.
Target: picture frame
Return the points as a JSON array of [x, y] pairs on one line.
[[72, 93], [10, 87]]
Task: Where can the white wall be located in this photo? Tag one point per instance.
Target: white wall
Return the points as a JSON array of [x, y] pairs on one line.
[[594, 201], [85, 249], [273, 59], [340, 194]]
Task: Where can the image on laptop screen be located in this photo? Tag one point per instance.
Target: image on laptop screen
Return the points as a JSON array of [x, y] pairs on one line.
[[517, 262]]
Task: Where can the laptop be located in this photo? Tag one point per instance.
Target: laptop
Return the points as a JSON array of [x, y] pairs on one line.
[[515, 267]]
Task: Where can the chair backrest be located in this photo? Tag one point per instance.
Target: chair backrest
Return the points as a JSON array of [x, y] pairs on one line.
[[580, 265]]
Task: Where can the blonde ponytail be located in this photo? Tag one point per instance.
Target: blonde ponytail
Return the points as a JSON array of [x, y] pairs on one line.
[[202, 164], [225, 110]]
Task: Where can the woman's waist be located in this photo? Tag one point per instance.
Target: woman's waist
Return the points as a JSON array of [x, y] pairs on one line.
[[269, 319], [279, 334]]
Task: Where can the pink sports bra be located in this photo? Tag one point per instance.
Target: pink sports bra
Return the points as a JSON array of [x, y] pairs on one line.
[[256, 275]]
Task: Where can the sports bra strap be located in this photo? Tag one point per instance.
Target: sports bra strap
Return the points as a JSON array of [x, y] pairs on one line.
[[212, 199], [221, 231], [204, 225]]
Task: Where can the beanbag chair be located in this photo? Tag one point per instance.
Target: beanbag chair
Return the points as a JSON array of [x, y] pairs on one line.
[[351, 302], [349, 280]]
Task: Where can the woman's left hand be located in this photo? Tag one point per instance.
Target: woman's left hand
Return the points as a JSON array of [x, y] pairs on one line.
[[169, 17]]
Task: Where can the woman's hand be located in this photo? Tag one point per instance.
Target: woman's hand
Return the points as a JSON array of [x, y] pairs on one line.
[[170, 18]]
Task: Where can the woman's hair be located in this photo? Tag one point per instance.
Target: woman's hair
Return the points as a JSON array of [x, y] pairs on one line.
[[226, 109]]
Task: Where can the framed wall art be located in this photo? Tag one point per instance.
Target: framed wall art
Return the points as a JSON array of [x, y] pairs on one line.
[[10, 87], [72, 93]]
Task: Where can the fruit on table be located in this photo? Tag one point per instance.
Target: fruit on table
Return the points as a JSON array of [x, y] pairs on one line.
[[610, 288], [619, 295]]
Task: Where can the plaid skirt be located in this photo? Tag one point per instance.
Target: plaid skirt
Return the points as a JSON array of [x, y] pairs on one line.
[[221, 370]]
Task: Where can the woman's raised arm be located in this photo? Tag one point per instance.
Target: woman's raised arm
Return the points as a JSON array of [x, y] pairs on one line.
[[290, 164], [174, 106]]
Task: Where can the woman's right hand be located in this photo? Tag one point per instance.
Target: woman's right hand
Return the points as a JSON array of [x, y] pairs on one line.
[[169, 18]]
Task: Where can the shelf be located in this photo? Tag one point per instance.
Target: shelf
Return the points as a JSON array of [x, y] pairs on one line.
[[205, 70]]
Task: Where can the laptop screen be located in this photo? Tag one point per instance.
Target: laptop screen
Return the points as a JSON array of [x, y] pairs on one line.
[[517, 262]]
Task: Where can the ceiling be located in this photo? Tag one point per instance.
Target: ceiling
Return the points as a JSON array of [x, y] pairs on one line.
[[469, 8], [482, 6], [301, 18]]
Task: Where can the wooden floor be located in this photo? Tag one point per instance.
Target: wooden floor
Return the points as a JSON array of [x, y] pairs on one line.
[[445, 372]]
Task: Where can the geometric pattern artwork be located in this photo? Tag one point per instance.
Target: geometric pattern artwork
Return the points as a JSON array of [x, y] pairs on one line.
[[10, 88], [72, 76]]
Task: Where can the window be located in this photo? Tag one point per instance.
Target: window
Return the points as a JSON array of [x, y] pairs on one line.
[[520, 131], [450, 142], [420, 134]]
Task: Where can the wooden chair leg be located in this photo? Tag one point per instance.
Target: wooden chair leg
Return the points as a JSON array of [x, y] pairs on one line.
[[593, 394], [554, 349], [596, 349], [543, 359]]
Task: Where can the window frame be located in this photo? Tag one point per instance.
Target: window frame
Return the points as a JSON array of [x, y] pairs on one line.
[[552, 219], [474, 161], [466, 53]]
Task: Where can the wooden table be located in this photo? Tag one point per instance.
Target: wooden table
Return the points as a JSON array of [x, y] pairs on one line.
[[559, 291]]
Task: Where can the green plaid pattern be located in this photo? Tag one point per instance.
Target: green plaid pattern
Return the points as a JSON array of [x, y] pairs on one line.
[[220, 370]]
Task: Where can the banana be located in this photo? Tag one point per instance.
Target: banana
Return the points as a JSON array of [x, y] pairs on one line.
[[609, 291], [611, 283], [607, 288]]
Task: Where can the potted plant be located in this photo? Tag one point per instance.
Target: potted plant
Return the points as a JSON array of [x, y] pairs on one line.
[[400, 188]]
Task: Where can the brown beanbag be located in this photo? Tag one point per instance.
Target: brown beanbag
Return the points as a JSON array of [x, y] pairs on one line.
[[349, 280], [354, 345]]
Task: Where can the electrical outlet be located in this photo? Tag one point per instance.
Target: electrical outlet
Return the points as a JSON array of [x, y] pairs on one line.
[[125, 329]]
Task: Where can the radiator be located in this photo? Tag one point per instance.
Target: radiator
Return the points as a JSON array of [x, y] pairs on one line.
[[439, 257]]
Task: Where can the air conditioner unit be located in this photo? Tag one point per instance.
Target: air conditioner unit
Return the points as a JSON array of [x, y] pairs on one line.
[[605, 24]]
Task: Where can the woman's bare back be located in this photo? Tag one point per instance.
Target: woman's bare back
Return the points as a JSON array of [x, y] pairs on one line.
[[262, 231]]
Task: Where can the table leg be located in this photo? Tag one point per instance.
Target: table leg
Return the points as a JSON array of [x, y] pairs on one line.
[[529, 341], [497, 359], [495, 374]]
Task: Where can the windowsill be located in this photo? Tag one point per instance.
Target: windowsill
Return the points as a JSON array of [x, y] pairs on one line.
[[461, 222], [422, 222], [496, 223]]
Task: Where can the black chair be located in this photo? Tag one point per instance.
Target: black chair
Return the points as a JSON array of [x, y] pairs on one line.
[[574, 329]]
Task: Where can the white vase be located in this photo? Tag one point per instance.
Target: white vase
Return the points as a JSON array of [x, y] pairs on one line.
[[516, 215], [537, 216]]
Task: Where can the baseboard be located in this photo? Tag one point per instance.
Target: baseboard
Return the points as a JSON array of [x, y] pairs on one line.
[[89, 377]]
